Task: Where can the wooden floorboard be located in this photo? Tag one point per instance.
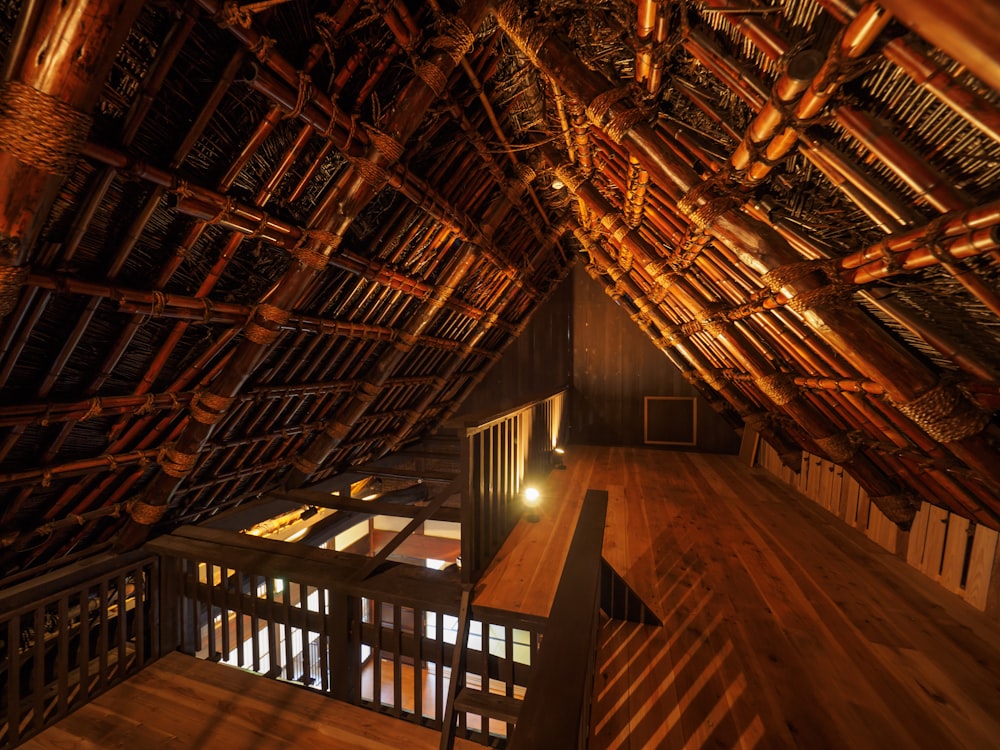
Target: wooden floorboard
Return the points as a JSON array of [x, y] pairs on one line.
[[783, 627], [189, 704]]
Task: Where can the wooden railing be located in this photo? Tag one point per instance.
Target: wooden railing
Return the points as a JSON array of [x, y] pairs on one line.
[[68, 636], [556, 711], [497, 454], [301, 615]]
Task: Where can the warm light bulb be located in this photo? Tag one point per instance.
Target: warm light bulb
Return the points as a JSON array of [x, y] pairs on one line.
[[560, 451], [557, 184], [531, 497]]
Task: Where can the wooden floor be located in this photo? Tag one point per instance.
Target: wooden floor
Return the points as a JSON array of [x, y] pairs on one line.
[[783, 626], [183, 703]]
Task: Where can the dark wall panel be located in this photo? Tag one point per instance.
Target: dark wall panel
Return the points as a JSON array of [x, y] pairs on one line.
[[615, 366], [537, 364]]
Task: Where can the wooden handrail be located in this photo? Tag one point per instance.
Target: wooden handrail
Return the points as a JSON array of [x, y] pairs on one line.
[[478, 424], [556, 711]]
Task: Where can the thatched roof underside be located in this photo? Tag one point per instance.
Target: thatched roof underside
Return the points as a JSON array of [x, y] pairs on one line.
[[296, 234]]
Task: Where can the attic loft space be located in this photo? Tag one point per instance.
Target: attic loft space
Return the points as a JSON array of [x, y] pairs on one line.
[[253, 253]]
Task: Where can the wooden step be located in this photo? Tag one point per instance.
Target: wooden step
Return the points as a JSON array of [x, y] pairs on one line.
[[500, 707]]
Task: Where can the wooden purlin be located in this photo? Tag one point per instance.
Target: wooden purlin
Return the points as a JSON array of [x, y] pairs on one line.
[[906, 379]]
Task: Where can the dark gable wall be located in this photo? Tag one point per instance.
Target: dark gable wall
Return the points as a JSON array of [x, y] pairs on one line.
[[537, 364], [580, 337], [615, 366]]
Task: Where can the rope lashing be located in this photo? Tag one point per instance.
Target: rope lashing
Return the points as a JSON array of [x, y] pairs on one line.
[[779, 387], [40, 130], [12, 278], [144, 513], [175, 463], [455, 38], [945, 413], [838, 447]]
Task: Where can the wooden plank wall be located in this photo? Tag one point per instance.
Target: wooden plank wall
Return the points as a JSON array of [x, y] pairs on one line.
[[949, 549], [615, 366], [537, 363]]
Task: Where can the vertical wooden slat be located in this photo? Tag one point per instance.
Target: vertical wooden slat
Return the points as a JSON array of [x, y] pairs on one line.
[[240, 619], [121, 631], [38, 669], [140, 616], [210, 608], [306, 635], [84, 652], [397, 660], [981, 567], [377, 654], [507, 668], [14, 679], [286, 602], [418, 665], [255, 621], [323, 642], [484, 676], [157, 614], [102, 637], [224, 612], [62, 656], [439, 670], [273, 660]]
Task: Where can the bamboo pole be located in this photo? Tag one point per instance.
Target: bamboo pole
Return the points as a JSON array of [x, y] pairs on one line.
[[913, 387], [335, 212], [320, 449], [52, 78]]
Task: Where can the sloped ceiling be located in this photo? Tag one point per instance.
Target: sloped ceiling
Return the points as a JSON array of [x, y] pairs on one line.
[[253, 244]]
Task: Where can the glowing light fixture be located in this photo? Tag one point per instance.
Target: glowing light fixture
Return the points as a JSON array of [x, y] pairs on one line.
[[531, 497], [557, 184]]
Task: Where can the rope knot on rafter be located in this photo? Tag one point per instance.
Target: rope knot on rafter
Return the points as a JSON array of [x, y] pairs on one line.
[[946, 413], [527, 35], [900, 508], [454, 38], [839, 447], [143, 513], [778, 387], [175, 463], [12, 278], [836, 292], [707, 201], [39, 129]]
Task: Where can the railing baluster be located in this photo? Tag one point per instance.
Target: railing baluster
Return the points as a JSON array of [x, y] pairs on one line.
[[121, 630], [102, 637], [418, 665], [273, 662], [224, 611], [209, 605], [324, 641], [255, 621], [240, 619], [84, 655], [377, 655], [286, 601], [139, 617], [38, 669], [14, 678], [62, 656], [397, 661], [306, 633]]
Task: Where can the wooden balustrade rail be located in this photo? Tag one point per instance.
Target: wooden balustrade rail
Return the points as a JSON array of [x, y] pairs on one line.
[[70, 635], [556, 711], [496, 456]]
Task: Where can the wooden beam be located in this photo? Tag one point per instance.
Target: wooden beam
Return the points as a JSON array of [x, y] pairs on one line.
[[556, 710], [367, 507]]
